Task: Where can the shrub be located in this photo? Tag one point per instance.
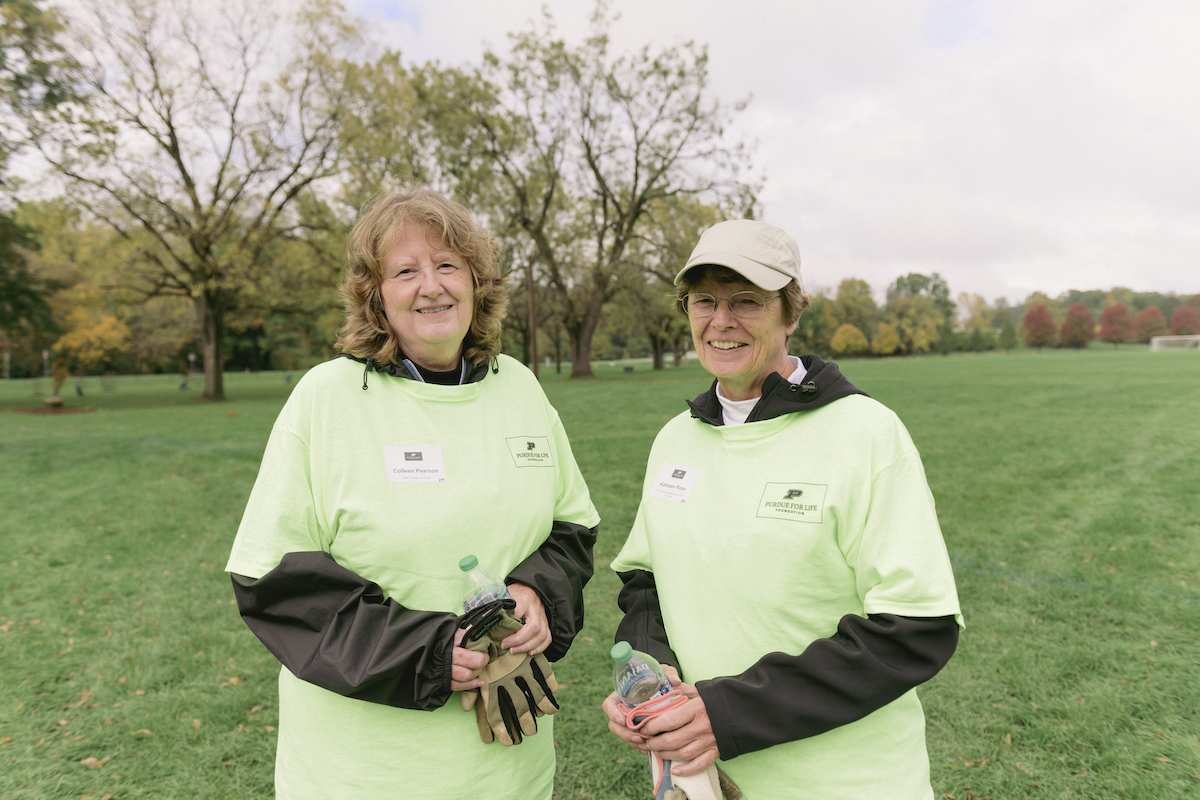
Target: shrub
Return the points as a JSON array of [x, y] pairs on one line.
[[1078, 328], [1185, 321], [1038, 328], [1008, 335], [886, 340], [1150, 322], [1116, 324], [848, 341]]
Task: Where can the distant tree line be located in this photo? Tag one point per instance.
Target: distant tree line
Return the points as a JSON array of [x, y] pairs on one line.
[[919, 317]]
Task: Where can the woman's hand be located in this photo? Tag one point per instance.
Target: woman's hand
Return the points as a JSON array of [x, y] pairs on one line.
[[616, 714], [684, 734], [465, 665], [681, 735], [534, 636]]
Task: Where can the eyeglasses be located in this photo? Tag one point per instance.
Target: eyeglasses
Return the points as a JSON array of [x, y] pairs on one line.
[[743, 305]]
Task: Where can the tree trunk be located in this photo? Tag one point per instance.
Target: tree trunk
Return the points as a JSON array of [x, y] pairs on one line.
[[580, 345], [211, 312], [531, 341], [657, 347]]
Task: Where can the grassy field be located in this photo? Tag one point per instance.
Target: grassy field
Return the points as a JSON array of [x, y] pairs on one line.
[[1066, 488]]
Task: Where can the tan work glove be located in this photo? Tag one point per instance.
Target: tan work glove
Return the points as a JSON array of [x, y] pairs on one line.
[[517, 688]]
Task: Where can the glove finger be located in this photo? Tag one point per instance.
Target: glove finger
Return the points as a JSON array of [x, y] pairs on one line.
[[481, 721], [508, 715], [468, 698], [546, 682], [529, 711]]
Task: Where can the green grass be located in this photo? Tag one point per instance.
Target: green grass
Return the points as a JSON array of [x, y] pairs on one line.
[[1066, 488]]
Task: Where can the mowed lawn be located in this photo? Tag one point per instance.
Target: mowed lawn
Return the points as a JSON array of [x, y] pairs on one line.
[[1066, 485]]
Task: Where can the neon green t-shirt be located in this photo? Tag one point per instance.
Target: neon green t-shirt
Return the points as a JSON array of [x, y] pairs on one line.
[[761, 537], [398, 483]]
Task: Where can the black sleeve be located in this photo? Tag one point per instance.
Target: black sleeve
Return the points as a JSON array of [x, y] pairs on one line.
[[334, 628], [867, 664], [558, 571], [642, 626]]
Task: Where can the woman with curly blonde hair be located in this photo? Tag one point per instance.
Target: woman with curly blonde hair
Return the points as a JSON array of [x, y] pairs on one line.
[[373, 489], [367, 333]]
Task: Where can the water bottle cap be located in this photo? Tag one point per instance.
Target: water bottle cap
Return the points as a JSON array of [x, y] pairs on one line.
[[621, 652], [469, 563]]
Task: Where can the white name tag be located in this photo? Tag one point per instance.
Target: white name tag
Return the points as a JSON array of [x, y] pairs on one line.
[[674, 482], [530, 451], [421, 464], [798, 502]]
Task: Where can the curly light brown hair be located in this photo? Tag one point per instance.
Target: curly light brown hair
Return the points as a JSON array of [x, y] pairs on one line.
[[793, 297], [366, 332]]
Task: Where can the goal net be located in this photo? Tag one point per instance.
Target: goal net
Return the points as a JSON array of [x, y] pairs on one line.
[[1174, 343]]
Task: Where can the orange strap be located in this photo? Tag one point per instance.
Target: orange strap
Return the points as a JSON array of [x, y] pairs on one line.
[[642, 713]]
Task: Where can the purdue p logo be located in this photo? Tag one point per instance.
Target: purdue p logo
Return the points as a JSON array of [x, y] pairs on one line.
[[413, 455], [679, 473], [530, 445], [795, 502]]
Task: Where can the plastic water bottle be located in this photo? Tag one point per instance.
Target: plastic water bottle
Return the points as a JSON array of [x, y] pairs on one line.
[[479, 585], [637, 677]]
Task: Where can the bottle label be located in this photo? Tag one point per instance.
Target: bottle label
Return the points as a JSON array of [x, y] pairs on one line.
[[476, 599], [637, 683]]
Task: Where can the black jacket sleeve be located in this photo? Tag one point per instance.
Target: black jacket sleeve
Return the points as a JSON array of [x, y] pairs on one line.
[[642, 626], [867, 664], [558, 571], [334, 628]]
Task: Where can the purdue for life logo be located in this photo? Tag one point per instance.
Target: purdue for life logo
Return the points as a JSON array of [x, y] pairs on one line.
[[530, 451], [798, 502]]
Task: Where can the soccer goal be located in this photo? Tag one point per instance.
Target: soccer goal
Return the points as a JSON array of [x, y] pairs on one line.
[[1174, 343]]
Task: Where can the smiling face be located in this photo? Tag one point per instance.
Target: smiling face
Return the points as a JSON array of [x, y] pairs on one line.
[[428, 297], [741, 353]]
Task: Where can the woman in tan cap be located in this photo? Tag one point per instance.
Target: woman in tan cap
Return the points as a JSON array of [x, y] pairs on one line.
[[786, 559]]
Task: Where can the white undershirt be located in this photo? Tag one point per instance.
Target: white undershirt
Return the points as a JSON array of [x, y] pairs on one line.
[[736, 411]]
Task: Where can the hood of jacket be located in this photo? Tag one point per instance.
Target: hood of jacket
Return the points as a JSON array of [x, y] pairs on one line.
[[823, 384]]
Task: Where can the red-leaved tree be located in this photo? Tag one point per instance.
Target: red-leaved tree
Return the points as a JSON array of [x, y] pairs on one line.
[[1038, 328], [1116, 324], [1078, 328], [1185, 321], [1150, 322]]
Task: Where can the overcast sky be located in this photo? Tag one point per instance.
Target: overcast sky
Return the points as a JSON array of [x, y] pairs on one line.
[[1011, 145]]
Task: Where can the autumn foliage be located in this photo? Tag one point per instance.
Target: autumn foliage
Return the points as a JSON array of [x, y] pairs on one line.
[[1078, 328], [1038, 328], [849, 341], [1116, 324], [886, 340], [1150, 322], [1185, 321]]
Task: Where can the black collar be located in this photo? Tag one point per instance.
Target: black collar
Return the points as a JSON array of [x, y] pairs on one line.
[[405, 368], [822, 384]]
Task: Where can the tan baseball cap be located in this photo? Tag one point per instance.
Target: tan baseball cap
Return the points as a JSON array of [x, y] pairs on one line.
[[764, 254]]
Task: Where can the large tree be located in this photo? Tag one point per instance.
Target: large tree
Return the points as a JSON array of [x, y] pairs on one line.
[[854, 305], [23, 306], [933, 286], [1150, 322], [1185, 321], [1078, 328], [586, 145], [1038, 328], [202, 142], [1116, 324]]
